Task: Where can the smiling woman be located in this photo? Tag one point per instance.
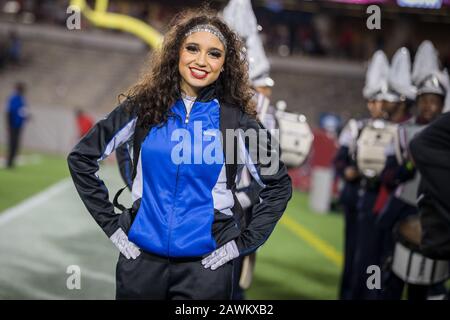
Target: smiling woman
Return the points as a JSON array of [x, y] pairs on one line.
[[202, 56], [181, 236], [184, 58]]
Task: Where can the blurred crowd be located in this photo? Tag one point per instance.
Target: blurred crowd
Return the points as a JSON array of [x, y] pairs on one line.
[[284, 31]]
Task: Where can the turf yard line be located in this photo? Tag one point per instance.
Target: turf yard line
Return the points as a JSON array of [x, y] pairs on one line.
[[27, 205], [313, 240], [42, 236]]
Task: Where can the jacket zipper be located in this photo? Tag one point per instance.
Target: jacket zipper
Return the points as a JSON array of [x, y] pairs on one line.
[[186, 121], [188, 114]]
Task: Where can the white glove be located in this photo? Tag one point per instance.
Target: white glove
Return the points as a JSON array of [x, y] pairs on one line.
[[125, 246], [220, 256]]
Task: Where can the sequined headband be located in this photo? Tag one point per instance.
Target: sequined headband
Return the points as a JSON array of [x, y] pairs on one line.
[[208, 28]]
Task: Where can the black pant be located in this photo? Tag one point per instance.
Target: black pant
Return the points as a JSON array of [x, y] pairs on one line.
[[394, 290], [238, 292], [13, 145], [160, 278], [349, 252], [367, 253]]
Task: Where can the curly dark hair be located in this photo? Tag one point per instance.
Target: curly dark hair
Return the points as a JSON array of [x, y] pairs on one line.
[[159, 86]]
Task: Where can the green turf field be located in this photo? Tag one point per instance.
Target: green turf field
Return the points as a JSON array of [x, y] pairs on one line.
[[52, 230], [288, 267], [36, 173]]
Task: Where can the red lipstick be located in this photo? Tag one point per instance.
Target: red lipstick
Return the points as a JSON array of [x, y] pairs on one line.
[[198, 73]]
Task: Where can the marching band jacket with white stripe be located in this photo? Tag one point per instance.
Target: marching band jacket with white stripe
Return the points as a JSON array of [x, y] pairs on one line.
[[183, 208]]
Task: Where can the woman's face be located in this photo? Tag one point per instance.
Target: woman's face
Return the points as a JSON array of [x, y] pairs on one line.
[[202, 57]]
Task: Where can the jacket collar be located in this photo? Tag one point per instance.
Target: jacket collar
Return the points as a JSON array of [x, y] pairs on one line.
[[207, 93]]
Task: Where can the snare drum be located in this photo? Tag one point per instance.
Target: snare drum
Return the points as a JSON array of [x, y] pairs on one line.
[[408, 263]]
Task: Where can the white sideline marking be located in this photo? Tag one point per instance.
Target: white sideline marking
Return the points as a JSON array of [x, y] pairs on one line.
[[29, 205], [37, 294], [25, 206]]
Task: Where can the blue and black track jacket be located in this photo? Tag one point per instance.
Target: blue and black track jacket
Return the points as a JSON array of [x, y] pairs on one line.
[[183, 208]]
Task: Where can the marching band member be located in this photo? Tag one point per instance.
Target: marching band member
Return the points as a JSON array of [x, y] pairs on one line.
[[396, 93], [247, 189], [346, 167], [239, 16], [295, 136], [400, 215]]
